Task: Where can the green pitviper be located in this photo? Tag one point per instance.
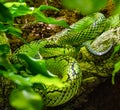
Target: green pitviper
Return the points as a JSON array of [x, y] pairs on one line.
[[60, 52]]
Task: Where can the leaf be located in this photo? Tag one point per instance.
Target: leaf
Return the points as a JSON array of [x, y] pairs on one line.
[[36, 66], [116, 69], [2, 1], [20, 11], [62, 23], [113, 21], [41, 17], [14, 31], [5, 14], [116, 49], [18, 79], [117, 7], [25, 99], [10, 4], [85, 6], [4, 49], [46, 7], [47, 80], [2, 27]]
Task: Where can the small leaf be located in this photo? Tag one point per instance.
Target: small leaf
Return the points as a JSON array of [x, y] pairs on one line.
[[36, 66], [4, 49], [85, 6], [10, 4], [46, 80], [117, 7], [18, 9], [62, 23], [2, 28], [41, 17], [18, 79], [116, 10], [116, 69], [25, 99], [14, 31], [46, 7], [5, 14], [116, 49]]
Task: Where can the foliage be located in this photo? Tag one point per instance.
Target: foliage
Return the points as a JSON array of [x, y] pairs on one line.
[[24, 91], [117, 6], [117, 65], [11, 10], [85, 6], [116, 70], [89, 6], [27, 98]]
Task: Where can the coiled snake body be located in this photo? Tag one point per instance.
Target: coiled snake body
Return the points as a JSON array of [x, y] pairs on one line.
[[60, 51]]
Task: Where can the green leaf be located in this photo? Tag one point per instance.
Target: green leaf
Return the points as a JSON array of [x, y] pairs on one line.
[[116, 69], [46, 7], [2, 0], [36, 66], [19, 11], [47, 80], [85, 6], [2, 27], [17, 4], [117, 7], [18, 79], [25, 99], [14, 31], [4, 49], [113, 21], [41, 17], [116, 49], [5, 14], [62, 23]]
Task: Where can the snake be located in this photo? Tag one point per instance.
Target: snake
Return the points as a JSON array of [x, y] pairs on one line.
[[60, 54]]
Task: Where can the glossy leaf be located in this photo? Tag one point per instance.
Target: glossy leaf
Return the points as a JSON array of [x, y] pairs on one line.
[[46, 7], [116, 49], [116, 69], [25, 99], [4, 49], [46, 80], [2, 27], [14, 31], [85, 6], [5, 14], [41, 17], [19, 80], [10, 4], [18, 9], [117, 7], [36, 66]]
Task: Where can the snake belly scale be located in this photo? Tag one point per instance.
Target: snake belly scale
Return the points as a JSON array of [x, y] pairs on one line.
[[64, 65]]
